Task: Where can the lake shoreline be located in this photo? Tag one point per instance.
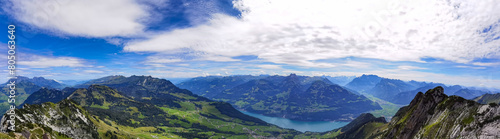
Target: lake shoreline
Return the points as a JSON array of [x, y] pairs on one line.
[[302, 126]]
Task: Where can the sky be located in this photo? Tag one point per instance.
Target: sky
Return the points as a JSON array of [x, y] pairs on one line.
[[447, 41]]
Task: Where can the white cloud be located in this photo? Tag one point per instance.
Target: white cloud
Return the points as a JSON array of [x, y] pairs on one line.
[[410, 67], [88, 18], [301, 32], [36, 61], [269, 66], [93, 71]]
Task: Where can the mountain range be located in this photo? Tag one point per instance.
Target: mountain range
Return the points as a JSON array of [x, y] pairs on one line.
[[148, 107], [429, 115], [402, 92], [293, 97], [24, 88], [488, 98]]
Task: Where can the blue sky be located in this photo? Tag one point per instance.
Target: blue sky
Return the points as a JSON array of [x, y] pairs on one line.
[[424, 40]]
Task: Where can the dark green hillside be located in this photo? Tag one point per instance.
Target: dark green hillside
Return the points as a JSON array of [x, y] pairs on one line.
[[48, 95]]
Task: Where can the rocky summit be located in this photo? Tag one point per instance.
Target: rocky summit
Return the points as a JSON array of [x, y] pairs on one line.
[[436, 115]]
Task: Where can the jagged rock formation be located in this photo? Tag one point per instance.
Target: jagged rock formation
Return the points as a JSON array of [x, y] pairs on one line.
[[435, 115], [428, 116], [63, 119]]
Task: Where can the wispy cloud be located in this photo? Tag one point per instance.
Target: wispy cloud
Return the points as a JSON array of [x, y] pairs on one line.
[[410, 67], [93, 71], [486, 63], [37, 61], [158, 60], [470, 67], [269, 66]]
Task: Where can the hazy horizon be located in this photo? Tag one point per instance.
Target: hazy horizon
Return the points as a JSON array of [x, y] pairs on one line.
[[180, 79]]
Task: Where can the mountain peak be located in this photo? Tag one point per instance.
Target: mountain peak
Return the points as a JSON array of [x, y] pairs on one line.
[[436, 93], [369, 75], [292, 79], [39, 81], [292, 76], [431, 97], [364, 82], [38, 78]]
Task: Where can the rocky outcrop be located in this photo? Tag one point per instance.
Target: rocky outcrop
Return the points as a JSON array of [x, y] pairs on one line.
[[63, 119], [435, 115]]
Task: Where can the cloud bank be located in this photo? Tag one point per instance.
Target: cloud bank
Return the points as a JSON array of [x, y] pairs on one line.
[[303, 32], [87, 18]]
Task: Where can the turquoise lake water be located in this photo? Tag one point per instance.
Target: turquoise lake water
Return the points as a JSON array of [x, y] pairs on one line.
[[302, 126]]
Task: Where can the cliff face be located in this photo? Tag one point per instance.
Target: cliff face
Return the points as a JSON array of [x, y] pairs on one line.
[[435, 115]]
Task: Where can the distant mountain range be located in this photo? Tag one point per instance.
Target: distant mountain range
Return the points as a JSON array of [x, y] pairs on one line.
[[72, 82], [402, 92], [25, 87], [340, 80], [364, 83], [147, 107], [488, 98], [292, 97], [42, 82]]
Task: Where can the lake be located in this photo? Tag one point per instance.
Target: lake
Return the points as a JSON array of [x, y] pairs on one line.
[[302, 126]]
